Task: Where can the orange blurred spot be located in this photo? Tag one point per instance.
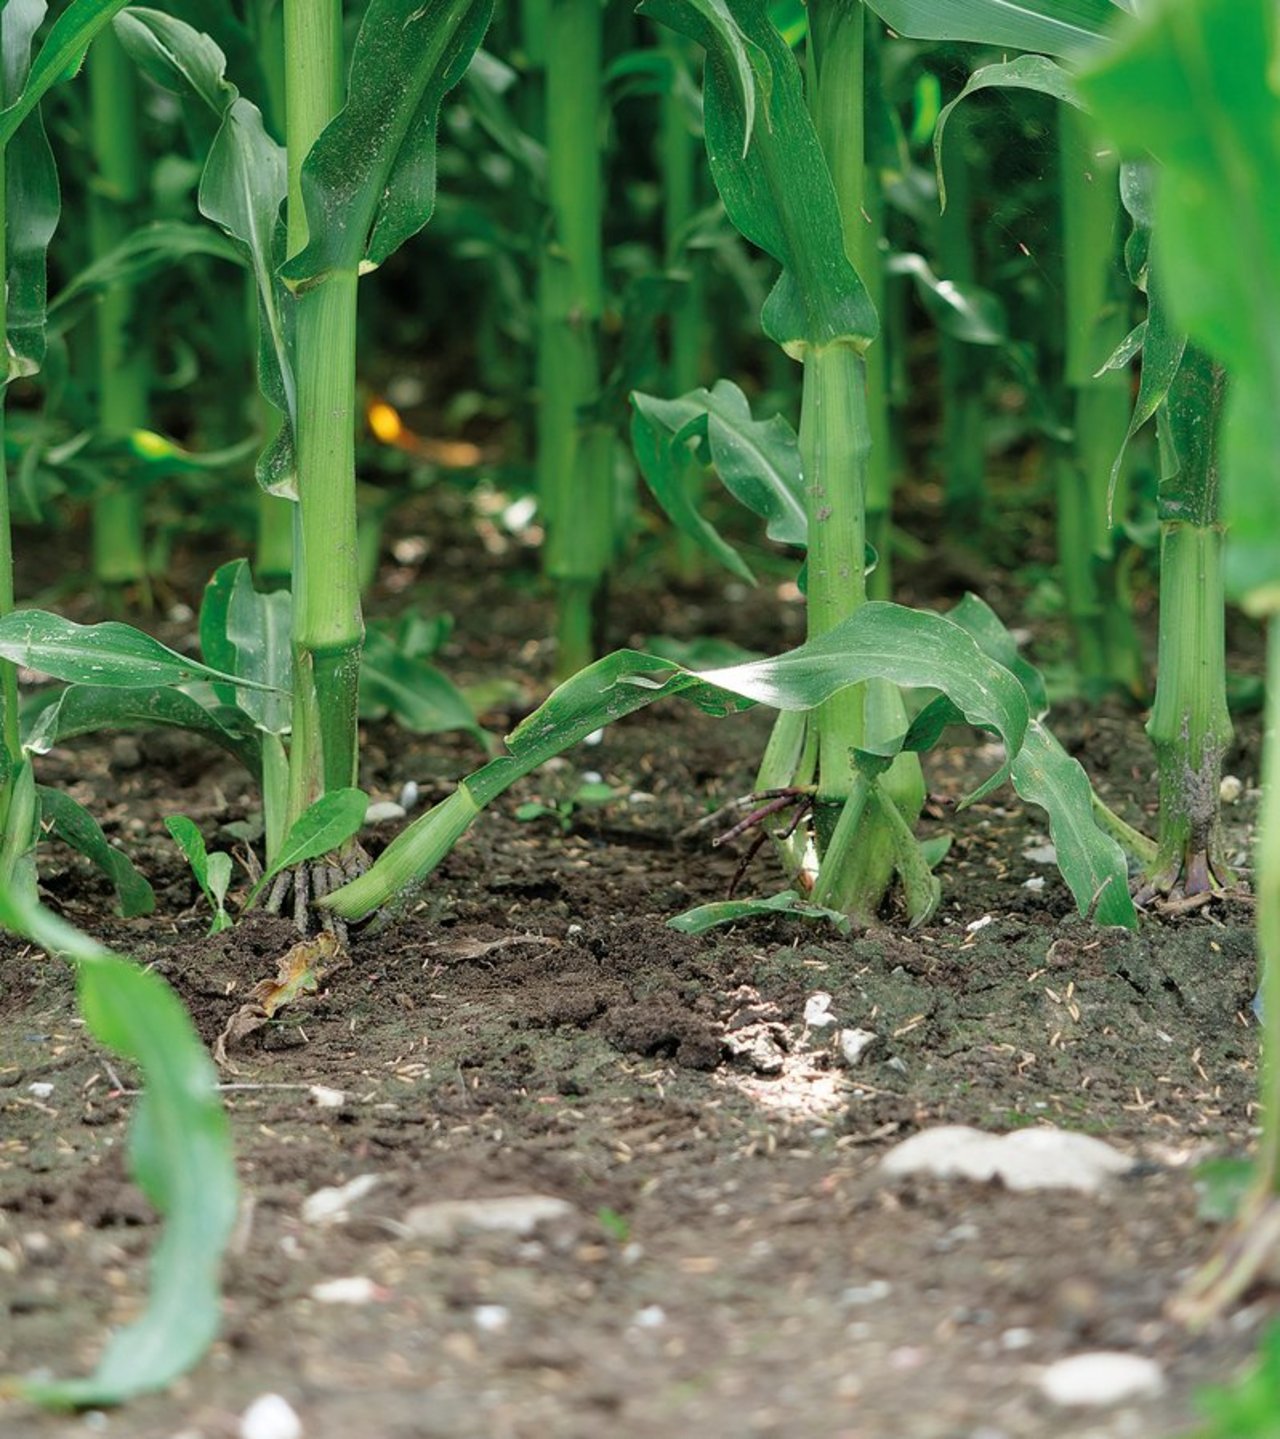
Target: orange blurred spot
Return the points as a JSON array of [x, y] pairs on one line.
[[384, 422]]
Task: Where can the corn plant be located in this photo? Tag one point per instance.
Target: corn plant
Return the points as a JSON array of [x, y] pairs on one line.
[[1194, 82], [359, 179], [843, 748]]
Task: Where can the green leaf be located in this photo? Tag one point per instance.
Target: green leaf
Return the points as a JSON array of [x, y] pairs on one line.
[[732, 911], [104, 654], [179, 1153], [259, 631], [1090, 861], [411, 690], [32, 204], [319, 830], [1193, 84], [1027, 72], [60, 57], [72, 823], [242, 189], [758, 461], [1057, 27], [212, 871], [881, 641], [86, 709], [772, 175], [369, 182], [965, 312], [139, 254]]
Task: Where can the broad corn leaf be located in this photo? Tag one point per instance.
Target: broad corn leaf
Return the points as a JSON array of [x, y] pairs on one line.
[[1056, 27], [370, 179], [179, 1154], [772, 175]]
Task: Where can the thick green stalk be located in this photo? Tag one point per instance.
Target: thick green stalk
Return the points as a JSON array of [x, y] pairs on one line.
[[964, 459], [678, 153], [8, 670], [1190, 726], [844, 443], [574, 450], [1096, 320], [123, 365], [328, 630]]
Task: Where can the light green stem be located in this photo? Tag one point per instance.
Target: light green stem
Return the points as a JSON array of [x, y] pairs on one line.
[[328, 630], [1266, 888], [1096, 320], [574, 452], [123, 365]]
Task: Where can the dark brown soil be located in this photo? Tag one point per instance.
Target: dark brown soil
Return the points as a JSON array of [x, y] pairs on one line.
[[733, 1263]]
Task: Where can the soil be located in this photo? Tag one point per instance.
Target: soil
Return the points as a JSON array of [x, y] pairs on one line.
[[731, 1260]]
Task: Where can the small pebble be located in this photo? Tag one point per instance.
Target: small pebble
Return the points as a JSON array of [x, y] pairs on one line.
[[854, 1044], [1041, 854], [326, 1098], [1230, 789], [1035, 884], [595, 737], [41, 1089], [652, 1316], [331, 1206], [817, 1011], [409, 795], [491, 1318], [358, 1289], [1015, 1339], [1101, 1379], [980, 924], [869, 1293], [385, 809], [270, 1416], [592, 776]]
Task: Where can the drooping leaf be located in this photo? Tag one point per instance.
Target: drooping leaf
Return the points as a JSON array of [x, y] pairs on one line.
[[772, 175], [370, 179], [139, 254], [1056, 27], [965, 312], [1044, 774], [1027, 72], [105, 654], [61, 55], [758, 461], [179, 1153], [74, 824], [881, 641], [87, 709], [1193, 84], [317, 831], [31, 200], [259, 631], [411, 690], [732, 911]]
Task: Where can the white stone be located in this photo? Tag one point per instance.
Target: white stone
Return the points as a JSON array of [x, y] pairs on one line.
[[491, 1318], [980, 924], [652, 1316], [1041, 1158], [41, 1089], [1100, 1379], [270, 1416], [326, 1098], [1041, 854], [1230, 789], [817, 1011], [332, 1205], [358, 1289], [518, 1214], [854, 1044], [385, 809], [409, 794], [1035, 884]]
